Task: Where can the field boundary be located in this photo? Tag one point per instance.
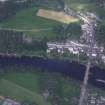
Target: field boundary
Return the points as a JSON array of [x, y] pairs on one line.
[[26, 30], [15, 89]]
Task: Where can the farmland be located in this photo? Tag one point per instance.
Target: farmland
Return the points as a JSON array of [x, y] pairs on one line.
[[27, 20], [32, 87], [48, 26], [58, 16], [31, 27], [26, 33], [14, 90]]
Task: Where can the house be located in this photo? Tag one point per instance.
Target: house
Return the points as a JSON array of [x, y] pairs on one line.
[[7, 101]]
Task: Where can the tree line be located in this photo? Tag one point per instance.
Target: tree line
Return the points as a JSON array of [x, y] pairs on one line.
[[13, 42], [10, 7]]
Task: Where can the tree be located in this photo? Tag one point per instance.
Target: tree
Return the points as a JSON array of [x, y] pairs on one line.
[[100, 34], [71, 31], [100, 3], [28, 103], [7, 9]]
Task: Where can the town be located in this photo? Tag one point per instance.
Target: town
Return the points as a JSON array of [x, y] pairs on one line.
[[82, 45]]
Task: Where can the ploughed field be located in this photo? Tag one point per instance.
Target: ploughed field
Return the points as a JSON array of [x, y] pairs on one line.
[[58, 16]]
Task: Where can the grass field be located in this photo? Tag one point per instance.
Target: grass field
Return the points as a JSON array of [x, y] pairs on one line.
[[19, 93], [27, 20], [31, 86], [28, 86], [49, 34], [24, 80]]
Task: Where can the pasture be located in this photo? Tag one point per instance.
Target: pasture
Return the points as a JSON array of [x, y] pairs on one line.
[[19, 93], [27, 22], [31, 86]]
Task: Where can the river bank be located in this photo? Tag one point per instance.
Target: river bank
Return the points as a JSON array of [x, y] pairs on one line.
[[72, 69]]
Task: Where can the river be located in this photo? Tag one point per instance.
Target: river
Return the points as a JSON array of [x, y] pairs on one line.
[[72, 69]]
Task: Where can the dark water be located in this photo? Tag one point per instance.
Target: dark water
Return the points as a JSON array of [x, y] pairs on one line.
[[72, 69]]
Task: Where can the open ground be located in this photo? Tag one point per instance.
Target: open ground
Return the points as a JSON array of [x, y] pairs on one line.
[[58, 16]]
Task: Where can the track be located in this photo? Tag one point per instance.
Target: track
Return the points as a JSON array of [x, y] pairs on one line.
[[26, 30]]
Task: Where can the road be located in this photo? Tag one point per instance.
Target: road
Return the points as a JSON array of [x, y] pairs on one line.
[[89, 37], [84, 86]]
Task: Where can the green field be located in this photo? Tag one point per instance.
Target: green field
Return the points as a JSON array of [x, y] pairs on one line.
[[45, 29], [27, 20], [19, 93], [31, 86], [34, 27]]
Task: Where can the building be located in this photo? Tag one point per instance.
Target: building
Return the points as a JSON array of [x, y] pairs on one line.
[[7, 101]]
